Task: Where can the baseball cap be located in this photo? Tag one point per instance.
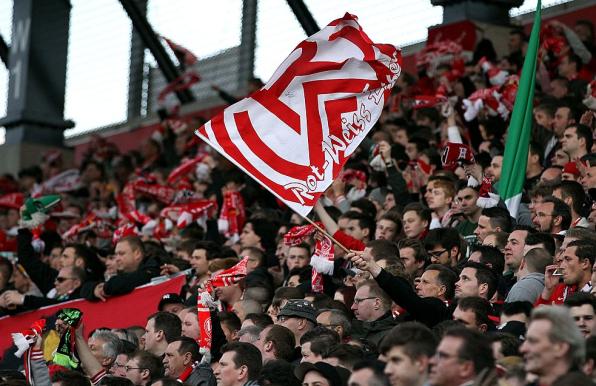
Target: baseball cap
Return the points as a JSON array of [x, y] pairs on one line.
[[170, 298], [337, 376], [299, 308]]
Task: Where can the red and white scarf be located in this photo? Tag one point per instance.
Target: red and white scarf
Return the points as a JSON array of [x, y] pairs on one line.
[[23, 341], [232, 215], [323, 256]]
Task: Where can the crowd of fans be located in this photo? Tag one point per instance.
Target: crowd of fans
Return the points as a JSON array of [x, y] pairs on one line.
[[438, 287]]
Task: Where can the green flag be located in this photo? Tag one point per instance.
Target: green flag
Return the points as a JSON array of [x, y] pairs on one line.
[[517, 144]]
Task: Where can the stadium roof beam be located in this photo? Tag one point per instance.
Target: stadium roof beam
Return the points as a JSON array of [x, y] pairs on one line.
[[151, 40], [305, 18], [3, 51]]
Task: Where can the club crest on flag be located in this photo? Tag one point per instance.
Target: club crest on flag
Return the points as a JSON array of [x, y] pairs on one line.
[[295, 134]]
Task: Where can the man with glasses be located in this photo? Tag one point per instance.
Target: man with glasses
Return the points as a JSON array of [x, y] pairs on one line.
[[142, 368], [443, 246], [372, 308], [67, 286], [461, 355], [335, 320], [552, 216]]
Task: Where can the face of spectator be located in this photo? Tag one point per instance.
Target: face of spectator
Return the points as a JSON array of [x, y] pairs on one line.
[[324, 320], [294, 281], [408, 258], [550, 175], [360, 377], [353, 229], [573, 268], [136, 375], [174, 363], [466, 199], [561, 120], [439, 255], [494, 169], [558, 88], [540, 353], [308, 355], [542, 118], [570, 142], [566, 67], [261, 342], [297, 258], [467, 285], [20, 282], [429, 285], [389, 202], [119, 366], [385, 230], [151, 337], [127, 259], [439, 199], [544, 220], [429, 191], [468, 319], [55, 255], [190, 326], [412, 151], [403, 370], [68, 257], [227, 374], [199, 262], [514, 249], [560, 158], [65, 282], [588, 179], [248, 237], [96, 347], [446, 365], [364, 303], [413, 224], [514, 43], [313, 378], [483, 228], [584, 318]]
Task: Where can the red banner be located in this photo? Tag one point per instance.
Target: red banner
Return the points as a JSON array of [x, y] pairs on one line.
[[117, 312]]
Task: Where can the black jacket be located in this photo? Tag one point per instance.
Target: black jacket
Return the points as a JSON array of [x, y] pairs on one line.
[[125, 282], [41, 273], [374, 331], [429, 311]]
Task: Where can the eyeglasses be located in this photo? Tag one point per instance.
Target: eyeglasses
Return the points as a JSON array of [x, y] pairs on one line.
[[283, 318], [118, 365], [436, 253], [358, 301], [133, 368], [63, 279]]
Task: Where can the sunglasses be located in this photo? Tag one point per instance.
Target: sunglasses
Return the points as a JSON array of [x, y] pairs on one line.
[[63, 279]]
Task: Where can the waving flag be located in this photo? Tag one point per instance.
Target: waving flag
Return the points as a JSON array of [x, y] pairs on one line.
[[518, 137], [294, 135]]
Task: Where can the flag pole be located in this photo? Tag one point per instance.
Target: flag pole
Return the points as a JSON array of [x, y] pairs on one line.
[[323, 231]]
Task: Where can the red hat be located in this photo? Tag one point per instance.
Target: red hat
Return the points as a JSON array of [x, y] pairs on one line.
[[571, 168]]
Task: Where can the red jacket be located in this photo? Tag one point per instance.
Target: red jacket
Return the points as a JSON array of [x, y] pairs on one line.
[[560, 293]]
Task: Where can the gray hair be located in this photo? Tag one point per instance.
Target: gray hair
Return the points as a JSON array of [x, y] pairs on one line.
[[111, 345], [252, 332], [251, 306], [563, 329], [338, 318]]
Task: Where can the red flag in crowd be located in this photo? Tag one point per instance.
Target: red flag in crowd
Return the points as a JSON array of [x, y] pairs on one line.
[[294, 135]]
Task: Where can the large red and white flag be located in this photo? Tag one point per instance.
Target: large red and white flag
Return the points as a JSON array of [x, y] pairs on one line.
[[295, 134]]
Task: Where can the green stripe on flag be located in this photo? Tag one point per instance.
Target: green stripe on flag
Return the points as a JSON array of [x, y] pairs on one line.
[[515, 159]]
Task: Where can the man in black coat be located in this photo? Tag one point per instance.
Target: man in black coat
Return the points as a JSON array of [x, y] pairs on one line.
[[67, 286], [134, 269]]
